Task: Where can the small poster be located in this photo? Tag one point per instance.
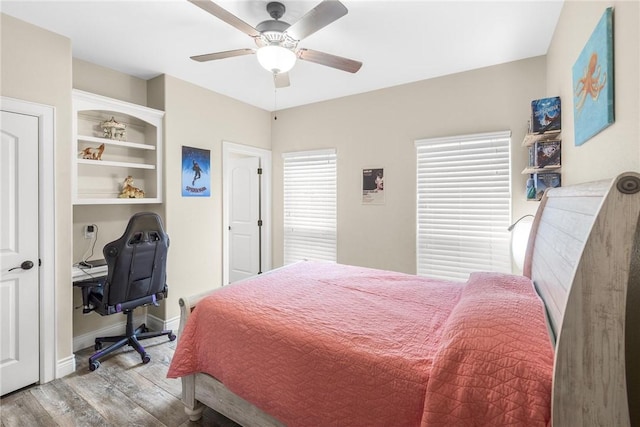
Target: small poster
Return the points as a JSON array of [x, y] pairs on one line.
[[373, 186], [196, 172]]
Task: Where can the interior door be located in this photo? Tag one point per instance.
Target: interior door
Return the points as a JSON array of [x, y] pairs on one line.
[[244, 232], [19, 283]]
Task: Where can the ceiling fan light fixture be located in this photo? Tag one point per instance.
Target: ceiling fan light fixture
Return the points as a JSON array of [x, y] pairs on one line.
[[276, 59]]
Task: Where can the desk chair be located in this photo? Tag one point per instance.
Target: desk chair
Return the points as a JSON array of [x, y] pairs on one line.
[[136, 277]]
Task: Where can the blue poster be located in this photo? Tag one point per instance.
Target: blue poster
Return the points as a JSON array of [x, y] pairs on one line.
[[196, 172], [593, 82]]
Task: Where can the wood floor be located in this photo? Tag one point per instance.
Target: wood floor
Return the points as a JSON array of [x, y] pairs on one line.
[[122, 392]]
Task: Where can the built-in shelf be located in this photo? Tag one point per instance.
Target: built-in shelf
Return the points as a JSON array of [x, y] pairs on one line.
[[137, 154], [115, 142], [98, 163]]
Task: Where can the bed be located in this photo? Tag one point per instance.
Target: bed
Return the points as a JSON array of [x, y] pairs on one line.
[[554, 346]]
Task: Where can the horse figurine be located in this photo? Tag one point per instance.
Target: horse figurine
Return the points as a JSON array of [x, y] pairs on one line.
[[129, 191], [93, 153]]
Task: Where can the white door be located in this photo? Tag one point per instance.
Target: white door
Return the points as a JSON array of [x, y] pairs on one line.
[[244, 232], [19, 287]]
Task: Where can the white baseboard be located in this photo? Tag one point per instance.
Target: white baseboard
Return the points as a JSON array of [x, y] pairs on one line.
[[89, 339], [65, 366], [156, 324]]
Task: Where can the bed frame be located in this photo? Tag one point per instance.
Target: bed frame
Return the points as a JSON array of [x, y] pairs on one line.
[[584, 259]]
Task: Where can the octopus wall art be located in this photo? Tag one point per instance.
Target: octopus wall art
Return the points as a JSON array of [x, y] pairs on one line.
[[590, 84], [593, 82]]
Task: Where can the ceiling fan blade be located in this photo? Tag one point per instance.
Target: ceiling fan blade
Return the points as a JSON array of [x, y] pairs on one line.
[[318, 17], [226, 16], [281, 80], [222, 55], [344, 64]]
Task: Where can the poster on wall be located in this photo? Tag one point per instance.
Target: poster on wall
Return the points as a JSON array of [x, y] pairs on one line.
[[373, 186], [593, 82], [196, 169]]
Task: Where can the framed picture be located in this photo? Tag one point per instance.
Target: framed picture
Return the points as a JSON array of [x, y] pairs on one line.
[[373, 186], [196, 172], [593, 82]]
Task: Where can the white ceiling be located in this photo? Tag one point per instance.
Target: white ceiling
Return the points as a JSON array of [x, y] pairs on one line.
[[398, 41]]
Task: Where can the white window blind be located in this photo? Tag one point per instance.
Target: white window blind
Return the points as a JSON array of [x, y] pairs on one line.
[[464, 205], [310, 206]]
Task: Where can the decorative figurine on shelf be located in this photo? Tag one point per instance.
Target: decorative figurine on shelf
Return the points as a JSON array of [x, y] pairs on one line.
[[93, 153], [112, 129], [129, 191]]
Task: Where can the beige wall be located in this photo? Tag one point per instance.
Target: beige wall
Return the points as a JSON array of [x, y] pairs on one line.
[[36, 67], [617, 148], [107, 82], [379, 129], [198, 118]]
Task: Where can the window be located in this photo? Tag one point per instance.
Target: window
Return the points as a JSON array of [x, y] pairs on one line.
[[463, 205], [310, 206]]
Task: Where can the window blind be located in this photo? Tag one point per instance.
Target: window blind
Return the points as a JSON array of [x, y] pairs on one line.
[[463, 205], [310, 206]]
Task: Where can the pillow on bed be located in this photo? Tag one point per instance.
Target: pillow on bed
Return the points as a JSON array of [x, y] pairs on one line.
[[495, 361]]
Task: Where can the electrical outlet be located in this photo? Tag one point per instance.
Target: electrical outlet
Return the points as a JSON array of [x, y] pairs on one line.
[[89, 231]]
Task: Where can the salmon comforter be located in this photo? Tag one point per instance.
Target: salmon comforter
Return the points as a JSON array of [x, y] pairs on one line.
[[321, 344]]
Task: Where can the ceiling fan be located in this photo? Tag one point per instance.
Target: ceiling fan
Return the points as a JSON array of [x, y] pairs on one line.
[[277, 40]]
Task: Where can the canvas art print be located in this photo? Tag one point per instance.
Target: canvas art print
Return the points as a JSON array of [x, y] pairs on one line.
[[593, 82], [196, 168]]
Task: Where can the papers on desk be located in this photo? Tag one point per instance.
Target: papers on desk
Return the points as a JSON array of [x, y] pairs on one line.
[[93, 269]]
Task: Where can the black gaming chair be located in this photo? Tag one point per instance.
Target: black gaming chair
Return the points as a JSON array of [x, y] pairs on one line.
[[136, 277]]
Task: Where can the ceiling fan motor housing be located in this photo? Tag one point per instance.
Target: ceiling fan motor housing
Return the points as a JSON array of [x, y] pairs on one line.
[[273, 30], [276, 10]]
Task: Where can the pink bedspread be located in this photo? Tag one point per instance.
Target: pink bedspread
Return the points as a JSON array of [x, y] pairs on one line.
[[319, 344], [495, 361]]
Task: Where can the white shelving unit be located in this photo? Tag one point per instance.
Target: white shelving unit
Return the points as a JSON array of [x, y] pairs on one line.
[[530, 142], [138, 154]]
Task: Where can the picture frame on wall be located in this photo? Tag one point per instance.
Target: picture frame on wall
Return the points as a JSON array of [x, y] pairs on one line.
[[593, 86], [196, 172], [372, 186]]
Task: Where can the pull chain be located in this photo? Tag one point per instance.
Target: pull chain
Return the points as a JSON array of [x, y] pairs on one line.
[[275, 103]]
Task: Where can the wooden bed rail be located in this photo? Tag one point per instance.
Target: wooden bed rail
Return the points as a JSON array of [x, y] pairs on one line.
[[584, 260], [187, 304], [192, 407]]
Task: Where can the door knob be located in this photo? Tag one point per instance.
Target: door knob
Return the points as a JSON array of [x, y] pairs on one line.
[[27, 265]]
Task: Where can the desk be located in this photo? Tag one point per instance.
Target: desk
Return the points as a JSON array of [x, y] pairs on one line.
[[87, 278], [81, 273]]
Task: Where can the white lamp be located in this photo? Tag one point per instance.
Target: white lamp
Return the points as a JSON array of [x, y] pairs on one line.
[[276, 59], [520, 238]]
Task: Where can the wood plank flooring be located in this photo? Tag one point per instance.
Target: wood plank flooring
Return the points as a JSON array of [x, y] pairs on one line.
[[122, 392]]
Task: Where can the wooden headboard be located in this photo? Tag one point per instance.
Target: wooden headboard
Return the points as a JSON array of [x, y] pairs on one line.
[[584, 259]]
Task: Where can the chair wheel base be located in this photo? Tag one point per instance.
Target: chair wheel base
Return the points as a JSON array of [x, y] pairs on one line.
[[94, 365], [146, 359], [172, 337]]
